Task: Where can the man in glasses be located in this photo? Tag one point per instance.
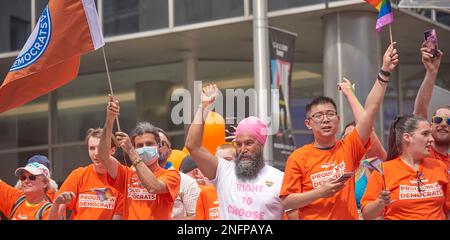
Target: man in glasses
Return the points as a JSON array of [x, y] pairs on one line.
[[440, 119], [440, 132], [29, 203], [316, 174]]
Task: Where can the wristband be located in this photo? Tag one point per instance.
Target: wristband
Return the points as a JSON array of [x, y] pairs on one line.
[[381, 79], [384, 73], [135, 163]]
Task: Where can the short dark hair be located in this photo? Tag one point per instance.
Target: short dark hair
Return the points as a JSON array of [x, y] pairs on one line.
[[143, 128], [187, 164], [320, 100]]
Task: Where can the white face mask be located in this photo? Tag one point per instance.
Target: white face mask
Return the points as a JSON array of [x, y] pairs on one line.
[[148, 154]]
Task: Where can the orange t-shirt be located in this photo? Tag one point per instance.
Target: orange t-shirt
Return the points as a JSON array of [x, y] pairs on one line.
[[51, 194], [207, 204], [139, 203], [87, 205], [437, 155], [308, 167], [410, 204], [25, 211]]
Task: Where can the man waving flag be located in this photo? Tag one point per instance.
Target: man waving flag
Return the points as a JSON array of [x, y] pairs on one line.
[[51, 56]]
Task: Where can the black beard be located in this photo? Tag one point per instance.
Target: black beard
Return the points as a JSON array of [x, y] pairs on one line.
[[249, 169], [162, 160]]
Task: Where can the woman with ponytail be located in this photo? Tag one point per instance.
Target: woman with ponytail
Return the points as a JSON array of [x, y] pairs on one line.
[[414, 186]]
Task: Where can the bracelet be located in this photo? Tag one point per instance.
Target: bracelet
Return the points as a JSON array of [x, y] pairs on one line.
[[384, 73], [381, 79], [135, 163]]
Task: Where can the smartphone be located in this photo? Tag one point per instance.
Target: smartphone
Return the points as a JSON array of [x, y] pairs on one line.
[[431, 41], [344, 177]]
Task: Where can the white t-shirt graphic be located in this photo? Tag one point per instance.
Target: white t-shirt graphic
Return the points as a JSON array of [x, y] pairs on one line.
[[256, 199]]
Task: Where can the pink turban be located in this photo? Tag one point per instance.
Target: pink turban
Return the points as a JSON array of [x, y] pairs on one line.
[[255, 127]]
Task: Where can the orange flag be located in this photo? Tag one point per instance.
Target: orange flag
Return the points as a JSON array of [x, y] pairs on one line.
[[51, 56]]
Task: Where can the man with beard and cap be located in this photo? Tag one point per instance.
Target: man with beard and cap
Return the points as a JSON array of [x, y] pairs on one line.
[[186, 200], [441, 117], [247, 188]]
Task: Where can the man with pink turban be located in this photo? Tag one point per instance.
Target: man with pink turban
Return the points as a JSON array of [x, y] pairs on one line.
[[247, 188]]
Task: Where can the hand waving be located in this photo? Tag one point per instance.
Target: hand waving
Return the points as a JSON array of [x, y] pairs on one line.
[[209, 94], [346, 87]]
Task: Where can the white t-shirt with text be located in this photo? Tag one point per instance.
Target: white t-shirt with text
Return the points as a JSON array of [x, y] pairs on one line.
[[255, 199]]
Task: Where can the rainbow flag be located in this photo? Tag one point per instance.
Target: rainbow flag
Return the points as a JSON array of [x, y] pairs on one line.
[[385, 15], [102, 193], [373, 164]]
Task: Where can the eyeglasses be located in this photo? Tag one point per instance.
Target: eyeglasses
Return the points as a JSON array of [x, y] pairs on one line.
[[419, 181], [31, 177], [319, 116], [438, 120]]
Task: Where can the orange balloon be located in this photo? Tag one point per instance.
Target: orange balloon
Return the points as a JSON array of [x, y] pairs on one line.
[[176, 157], [213, 132]]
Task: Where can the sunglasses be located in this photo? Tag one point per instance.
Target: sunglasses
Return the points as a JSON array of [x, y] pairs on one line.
[[438, 120], [419, 181], [31, 177]]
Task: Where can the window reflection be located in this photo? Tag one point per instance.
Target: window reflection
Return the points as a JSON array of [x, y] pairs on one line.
[[26, 125], [16, 24], [121, 17], [194, 11]]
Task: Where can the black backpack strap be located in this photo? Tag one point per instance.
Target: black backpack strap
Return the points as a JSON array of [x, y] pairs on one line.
[[42, 209], [16, 205]]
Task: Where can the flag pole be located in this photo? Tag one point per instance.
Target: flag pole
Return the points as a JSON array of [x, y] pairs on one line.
[[382, 175], [390, 33], [110, 84], [112, 94]]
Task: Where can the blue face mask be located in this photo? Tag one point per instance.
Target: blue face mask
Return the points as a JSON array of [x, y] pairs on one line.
[[148, 154]]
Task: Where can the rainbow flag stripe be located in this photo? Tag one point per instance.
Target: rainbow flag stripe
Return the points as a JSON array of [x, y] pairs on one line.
[[385, 15]]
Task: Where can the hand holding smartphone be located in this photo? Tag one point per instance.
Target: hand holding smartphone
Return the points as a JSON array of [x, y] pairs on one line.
[[344, 177], [431, 41]]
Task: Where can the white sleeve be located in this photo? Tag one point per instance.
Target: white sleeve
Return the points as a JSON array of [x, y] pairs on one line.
[[190, 196]]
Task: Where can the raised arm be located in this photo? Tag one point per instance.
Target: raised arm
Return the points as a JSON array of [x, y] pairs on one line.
[[377, 149], [423, 97], [376, 95], [206, 162], [147, 177], [104, 147]]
